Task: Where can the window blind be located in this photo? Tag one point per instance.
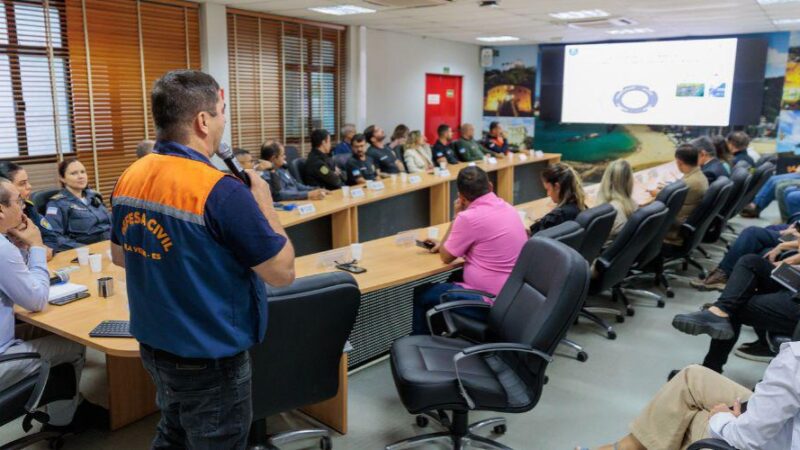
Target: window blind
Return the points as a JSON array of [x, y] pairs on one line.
[[287, 77]]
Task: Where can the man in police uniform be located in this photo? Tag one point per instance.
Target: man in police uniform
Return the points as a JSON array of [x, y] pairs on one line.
[[319, 168], [197, 246], [360, 168], [384, 157], [467, 148]]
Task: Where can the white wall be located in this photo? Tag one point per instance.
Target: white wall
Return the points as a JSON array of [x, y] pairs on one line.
[[396, 67]]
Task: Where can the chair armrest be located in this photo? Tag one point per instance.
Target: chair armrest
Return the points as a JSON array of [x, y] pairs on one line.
[[41, 381], [491, 348], [442, 307], [710, 444], [466, 291], [17, 356], [687, 230]]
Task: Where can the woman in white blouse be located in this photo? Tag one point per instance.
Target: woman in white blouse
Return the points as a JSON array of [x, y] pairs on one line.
[[616, 189], [417, 154]]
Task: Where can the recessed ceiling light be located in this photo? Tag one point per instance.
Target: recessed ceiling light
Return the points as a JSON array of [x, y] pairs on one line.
[[773, 2], [342, 10], [630, 31], [497, 38], [583, 14], [785, 21]]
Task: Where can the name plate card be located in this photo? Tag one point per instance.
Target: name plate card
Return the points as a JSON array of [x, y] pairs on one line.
[[357, 193], [523, 157], [443, 173], [492, 160], [328, 259], [472, 164], [414, 179], [405, 238], [539, 154], [375, 185], [308, 208]]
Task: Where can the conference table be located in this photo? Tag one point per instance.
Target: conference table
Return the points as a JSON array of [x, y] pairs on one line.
[[395, 267]]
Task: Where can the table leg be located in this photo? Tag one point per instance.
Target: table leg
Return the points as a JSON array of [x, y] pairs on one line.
[[440, 203], [131, 393], [505, 184], [345, 227], [333, 412]]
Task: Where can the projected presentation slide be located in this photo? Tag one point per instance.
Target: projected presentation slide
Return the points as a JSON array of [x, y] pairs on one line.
[[686, 82]]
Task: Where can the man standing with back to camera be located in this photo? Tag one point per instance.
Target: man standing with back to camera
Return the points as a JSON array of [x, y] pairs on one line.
[[196, 245]]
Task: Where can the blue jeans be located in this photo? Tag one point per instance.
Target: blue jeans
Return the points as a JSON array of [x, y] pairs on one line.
[[205, 404], [791, 199], [429, 298], [753, 240], [766, 194]]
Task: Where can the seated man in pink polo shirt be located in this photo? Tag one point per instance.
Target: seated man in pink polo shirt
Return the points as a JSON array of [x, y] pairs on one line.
[[488, 233]]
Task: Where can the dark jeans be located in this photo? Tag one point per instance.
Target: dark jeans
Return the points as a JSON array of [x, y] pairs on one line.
[[429, 297], [205, 404], [753, 240], [752, 298]]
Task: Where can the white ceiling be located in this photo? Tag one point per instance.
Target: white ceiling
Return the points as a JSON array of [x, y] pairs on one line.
[[464, 20]]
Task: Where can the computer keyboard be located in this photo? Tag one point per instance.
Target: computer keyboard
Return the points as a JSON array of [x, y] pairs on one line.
[[112, 328]]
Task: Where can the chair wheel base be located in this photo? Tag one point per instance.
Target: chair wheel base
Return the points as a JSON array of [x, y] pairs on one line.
[[620, 318], [422, 421], [582, 356], [661, 303], [670, 294], [611, 335], [325, 443], [630, 312], [500, 429]]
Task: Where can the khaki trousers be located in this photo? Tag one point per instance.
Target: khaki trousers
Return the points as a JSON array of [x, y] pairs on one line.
[[678, 414]]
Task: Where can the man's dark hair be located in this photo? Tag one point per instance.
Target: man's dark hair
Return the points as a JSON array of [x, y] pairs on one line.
[[705, 144], [319, 136], [270, 149], [177, 98], [472, 182], [240, 152], [369, 132], [8, 170], [442, 129], [739, 139], [493, 125], [687, 153], [358, 138]]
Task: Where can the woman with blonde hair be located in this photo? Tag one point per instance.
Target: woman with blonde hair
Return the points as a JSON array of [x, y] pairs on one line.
[[616, 189], [563, 186], [417, 154]]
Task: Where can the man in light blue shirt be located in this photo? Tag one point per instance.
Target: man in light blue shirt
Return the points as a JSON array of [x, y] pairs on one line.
[[27, 284]]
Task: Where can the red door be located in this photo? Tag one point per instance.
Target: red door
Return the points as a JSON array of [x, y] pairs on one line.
[[442, 104]]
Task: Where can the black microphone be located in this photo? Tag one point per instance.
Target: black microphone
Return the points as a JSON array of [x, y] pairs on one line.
[[224, 151]]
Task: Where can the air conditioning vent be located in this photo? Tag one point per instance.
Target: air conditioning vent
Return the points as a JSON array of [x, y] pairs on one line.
[[600, 24], [401, 4]]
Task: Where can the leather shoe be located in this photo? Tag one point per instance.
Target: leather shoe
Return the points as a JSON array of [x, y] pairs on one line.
[[704, 322]]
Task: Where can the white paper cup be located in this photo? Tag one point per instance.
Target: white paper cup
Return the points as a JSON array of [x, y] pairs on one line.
[[433, 233], [522, 215], [443, 165], [345, 191], [83, 255], [356, 251], [96, 262]]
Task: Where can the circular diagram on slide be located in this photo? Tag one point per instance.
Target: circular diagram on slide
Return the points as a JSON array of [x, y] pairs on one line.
[[635, 99]]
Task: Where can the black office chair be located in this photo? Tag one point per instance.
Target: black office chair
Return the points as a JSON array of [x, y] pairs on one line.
[[569, 233], [710, 444], [291, 153], [341, 161], [597, 222], [696, 226], [774, 341], [762, 173], [672, 196], [40, 199], [298, 363], [297, 169], [26, 396], [740, 179], [613, 265], [531, 315]]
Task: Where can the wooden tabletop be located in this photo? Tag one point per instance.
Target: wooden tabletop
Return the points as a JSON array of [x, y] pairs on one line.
[[335, 202], [75, 320]]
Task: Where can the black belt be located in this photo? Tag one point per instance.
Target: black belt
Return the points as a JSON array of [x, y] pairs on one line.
[[175, 359]]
